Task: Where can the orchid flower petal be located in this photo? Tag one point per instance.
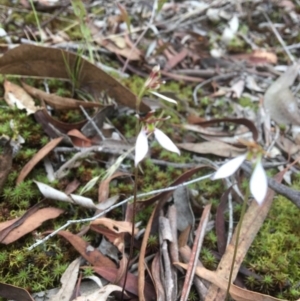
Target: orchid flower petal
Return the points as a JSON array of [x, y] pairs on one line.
[[165, 141], [259, 183], [163, 97], [141, 147], [229, 167]]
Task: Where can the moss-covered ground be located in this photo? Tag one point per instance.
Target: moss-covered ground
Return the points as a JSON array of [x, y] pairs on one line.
[[273, 258]]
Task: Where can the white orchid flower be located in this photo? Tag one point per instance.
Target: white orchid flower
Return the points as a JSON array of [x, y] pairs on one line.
[[142, 147], [258, 181]]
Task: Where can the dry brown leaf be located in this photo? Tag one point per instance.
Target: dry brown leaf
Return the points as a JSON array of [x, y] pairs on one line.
[[133, 55], [258, 56], [199, 237], [237, 121], [114, 238], [122, 270], [40, 61], [37, 158], [16, 96], [213, 147], [236, 292], [176, 59], [103, 190], [265, 55], [184, 237], [78, 139], [131, 283], [58, 102], [115, 226], [11, 292], [48, 122], [31, 223], [91, 254], [156, 273]]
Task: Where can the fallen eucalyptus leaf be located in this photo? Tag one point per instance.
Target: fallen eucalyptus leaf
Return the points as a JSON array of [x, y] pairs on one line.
[[54, 194], [280, 102], [100, 295], [68, 281], [17, 96]]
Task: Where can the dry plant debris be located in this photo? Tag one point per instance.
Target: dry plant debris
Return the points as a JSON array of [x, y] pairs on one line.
[[81, 100]]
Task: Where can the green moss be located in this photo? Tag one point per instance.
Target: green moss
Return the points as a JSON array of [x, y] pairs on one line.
[[144, 215], [274, 252], [211, 240], [208, 259], [237, 44], [193, 296], [246, 102], [88, 271]]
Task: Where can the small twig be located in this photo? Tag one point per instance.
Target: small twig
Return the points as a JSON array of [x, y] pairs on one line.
[[279, 38], [61, 172], [199, 237], [90, 219], [247, 40], [218, 77], [92, 122]]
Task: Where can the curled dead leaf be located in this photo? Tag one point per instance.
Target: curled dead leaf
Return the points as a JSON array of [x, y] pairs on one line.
[[40, 61], [58, 102], [115, 226], [16, 96]]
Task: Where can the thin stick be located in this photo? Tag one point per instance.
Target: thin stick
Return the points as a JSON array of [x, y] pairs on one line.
[[90, 219], [132, 229], [279, 38], [92, 122], [218, 77]]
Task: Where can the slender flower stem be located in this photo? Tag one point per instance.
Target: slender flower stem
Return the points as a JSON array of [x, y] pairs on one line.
[[132, 229], [239, 227], [137, 128]]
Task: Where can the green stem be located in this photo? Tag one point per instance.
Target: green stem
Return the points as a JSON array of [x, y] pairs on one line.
[[36, 19], [239, 227], [137, 128]]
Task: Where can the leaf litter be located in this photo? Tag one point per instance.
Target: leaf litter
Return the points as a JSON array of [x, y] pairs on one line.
[[237, 92]]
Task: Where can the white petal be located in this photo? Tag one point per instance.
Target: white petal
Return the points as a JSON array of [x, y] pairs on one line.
[[165, 141], [164, 97], [141, 147], [229, 167], [234, 24], [259, 183]]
